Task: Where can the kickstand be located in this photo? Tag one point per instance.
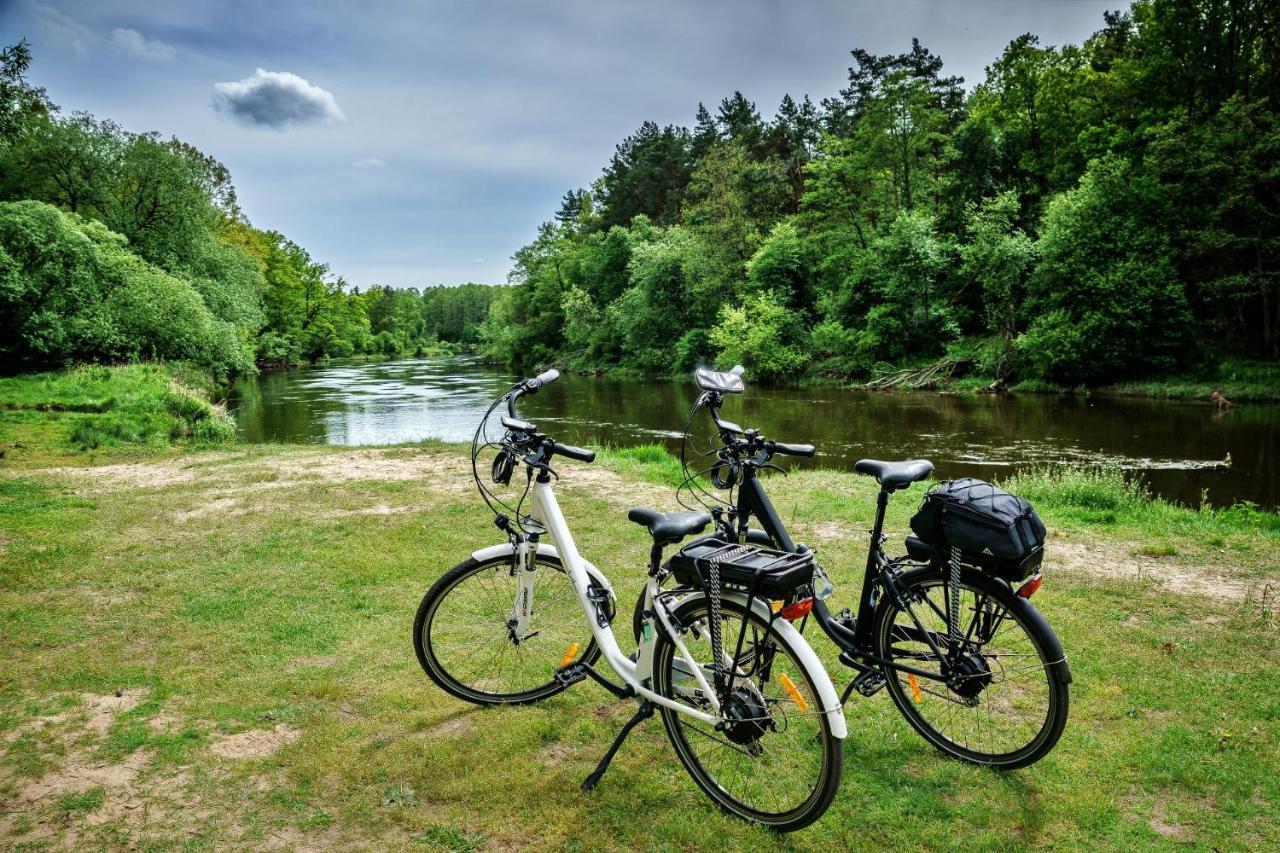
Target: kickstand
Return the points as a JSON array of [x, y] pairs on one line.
[[644, 712]]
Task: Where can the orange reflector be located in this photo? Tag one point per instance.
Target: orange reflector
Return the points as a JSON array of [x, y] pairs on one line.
[[790, 686], [1029, 588], [777, 605], [915, 688], [569, 655], [792, 612]]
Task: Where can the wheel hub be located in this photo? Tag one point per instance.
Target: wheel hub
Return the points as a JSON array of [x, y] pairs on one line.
[[747, 717], [969, 675]]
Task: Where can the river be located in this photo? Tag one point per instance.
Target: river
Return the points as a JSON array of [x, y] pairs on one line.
[[1180, 448]]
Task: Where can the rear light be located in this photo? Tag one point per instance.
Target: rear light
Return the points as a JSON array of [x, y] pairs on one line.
[[792, 612], [1029, 588]]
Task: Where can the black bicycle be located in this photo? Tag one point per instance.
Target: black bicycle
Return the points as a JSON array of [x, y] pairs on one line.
[[966, 657]]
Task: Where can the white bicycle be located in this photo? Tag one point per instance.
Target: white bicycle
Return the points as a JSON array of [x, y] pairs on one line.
[[746, 703]]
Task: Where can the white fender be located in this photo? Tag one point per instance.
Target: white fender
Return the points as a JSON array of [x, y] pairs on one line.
[[808, 659], [505, 549]]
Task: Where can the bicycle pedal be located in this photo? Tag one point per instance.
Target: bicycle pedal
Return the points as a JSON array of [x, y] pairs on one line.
[[869, 683], [569, 675]]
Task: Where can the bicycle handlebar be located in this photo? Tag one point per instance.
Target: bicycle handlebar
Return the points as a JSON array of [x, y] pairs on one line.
[[580, 454], [793, 449], [549, 446]]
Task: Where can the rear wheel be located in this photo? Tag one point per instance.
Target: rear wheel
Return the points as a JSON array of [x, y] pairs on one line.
[[777, 762], [466, 645], [1003, 698]]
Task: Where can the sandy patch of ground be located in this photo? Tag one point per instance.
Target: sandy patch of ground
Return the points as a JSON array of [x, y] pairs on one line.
[[103, 709], [1113, 561], [376, 509], [257, 743]]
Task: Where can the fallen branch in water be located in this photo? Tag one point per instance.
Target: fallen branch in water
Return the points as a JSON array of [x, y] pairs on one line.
[[917, 377]]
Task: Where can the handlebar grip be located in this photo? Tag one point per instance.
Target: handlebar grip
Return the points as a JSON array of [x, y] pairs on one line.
[[793, 449], [571, 452], [531, 386]]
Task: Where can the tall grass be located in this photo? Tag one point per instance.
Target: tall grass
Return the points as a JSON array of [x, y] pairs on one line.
[[1109, 496], [134, 404], [651, 462]]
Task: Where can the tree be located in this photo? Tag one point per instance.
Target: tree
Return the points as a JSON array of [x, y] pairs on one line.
[[1104, 301], [72, 163], [998, 257], [20, 102], [648, 174]]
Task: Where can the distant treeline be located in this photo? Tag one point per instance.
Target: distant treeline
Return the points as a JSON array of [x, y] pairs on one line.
[[116, 246], [1084, 214]]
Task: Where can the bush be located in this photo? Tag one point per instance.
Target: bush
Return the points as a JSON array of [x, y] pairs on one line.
[[70, 290], [762, 335]]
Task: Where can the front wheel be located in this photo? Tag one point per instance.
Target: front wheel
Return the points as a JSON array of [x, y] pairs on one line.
[[1000, 697], [775, 761], [466, 641]]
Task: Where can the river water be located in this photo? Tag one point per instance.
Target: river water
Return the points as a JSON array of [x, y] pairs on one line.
[[1181, 448]]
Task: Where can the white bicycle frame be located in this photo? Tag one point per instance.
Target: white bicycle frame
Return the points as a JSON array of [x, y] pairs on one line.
[[545, 510]]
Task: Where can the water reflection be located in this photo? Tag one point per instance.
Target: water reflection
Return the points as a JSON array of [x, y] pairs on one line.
[[1179, 447]]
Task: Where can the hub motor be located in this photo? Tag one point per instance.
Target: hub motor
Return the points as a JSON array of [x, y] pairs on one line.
[[969, 675], [748, 717]]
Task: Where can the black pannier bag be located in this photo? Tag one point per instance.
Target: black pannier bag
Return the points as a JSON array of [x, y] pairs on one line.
[[770, 573], [996, 531]]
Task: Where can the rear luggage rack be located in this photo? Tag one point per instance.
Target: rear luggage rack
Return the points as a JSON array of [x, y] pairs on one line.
[[763, 571]]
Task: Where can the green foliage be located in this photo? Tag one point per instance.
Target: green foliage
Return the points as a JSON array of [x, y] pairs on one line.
[[140, 250], [760, 334], [1105, 299], [1084, 212], [69, 289]]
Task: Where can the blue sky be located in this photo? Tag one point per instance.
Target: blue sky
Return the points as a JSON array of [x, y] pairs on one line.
[[417, 143]]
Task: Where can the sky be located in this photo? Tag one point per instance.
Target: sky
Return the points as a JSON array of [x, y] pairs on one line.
[[420, 143]]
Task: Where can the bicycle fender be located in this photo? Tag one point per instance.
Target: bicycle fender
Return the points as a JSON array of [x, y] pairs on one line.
[[506, 549], [808, 658]]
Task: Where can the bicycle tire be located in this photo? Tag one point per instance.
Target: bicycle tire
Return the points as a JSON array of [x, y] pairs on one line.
[[909, 698], [549, 657], [827, 778]]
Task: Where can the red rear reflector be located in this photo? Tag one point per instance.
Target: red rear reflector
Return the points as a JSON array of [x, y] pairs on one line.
[[1029, 588], [792, 612]]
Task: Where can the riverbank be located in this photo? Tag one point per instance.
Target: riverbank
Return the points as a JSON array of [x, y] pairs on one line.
[[210, 647]]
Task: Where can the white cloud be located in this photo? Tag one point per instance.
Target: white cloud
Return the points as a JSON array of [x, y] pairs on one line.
[[276, 99], [367, 163], [136, 44]]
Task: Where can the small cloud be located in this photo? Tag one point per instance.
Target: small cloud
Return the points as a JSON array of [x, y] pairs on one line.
[[136, 44], [477, 260], [276, 99], [367, 163]]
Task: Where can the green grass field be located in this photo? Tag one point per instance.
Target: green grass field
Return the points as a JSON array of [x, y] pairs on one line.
[[210, 648]]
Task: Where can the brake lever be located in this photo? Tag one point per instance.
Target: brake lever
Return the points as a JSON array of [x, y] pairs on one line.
[[535, 460]]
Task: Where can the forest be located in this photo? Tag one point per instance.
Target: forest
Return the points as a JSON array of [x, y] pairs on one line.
[[118, 246], [1085, 214]]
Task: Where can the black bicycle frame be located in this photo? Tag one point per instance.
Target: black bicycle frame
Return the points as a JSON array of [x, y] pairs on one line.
[[856, 643]]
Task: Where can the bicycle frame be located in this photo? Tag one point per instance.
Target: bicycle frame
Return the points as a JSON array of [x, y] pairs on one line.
[[545, 510]]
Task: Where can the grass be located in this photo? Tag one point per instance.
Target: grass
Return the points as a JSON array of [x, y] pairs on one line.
[[98, 406], [240, 591]]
